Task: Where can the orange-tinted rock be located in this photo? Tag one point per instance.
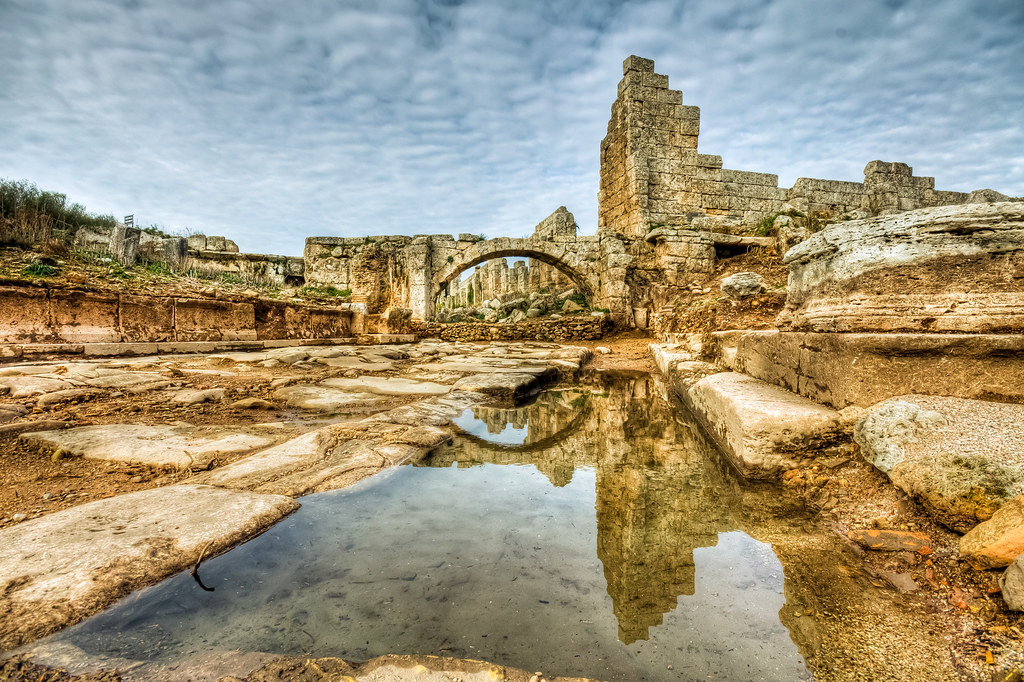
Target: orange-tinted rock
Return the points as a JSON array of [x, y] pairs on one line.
[[892, 540]]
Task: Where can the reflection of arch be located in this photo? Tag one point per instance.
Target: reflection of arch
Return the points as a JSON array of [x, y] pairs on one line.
[[526, 448], [575, 268]]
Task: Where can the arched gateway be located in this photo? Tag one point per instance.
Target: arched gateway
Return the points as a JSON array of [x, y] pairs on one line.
[[412, 272]]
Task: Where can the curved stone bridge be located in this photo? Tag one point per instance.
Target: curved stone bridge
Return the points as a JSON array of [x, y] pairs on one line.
[[575, 267]]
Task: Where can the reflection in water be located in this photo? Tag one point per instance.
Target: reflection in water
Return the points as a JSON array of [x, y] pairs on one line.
[[474, 553]]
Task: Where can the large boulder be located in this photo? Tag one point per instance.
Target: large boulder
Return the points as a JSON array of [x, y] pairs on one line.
[[942, 269], [962, 459]]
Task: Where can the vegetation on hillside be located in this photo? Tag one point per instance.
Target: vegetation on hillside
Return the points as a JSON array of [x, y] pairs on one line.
[[30, 216]]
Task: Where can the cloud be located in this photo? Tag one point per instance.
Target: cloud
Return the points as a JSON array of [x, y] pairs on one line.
[[269, 125]]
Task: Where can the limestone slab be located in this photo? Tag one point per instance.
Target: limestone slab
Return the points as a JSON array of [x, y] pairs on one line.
[[387, 386], [60, 568], [763, 429], [962, 459], [506, 385], [324, 398], [179, 446]]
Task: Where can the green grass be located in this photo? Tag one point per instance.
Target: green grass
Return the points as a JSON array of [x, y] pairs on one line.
[[39, 269]]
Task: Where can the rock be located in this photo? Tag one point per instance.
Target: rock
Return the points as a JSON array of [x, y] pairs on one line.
[[135, 479], [323, 397], [999, 540], [48, 399], [985, 196], [603, 350], [180, 446], [743, 285], [962, 459], [903, 582], [191, 396], [506, 385], [19, 517], [763, 429], [74, 562], [788, 233], [11, 412], [516, 316], [565, 294], [891, 540], [1012, 584], [892, 273], [387, 386], [533, 313], [571, 306], [253, 404]]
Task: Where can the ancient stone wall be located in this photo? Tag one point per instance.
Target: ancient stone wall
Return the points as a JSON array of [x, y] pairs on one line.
[[653, 176], [583, 327], [42, 315]]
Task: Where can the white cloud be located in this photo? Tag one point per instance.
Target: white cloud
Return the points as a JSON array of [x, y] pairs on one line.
[[270, 125]]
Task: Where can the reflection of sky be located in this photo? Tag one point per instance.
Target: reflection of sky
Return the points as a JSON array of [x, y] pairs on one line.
[[509, 435]]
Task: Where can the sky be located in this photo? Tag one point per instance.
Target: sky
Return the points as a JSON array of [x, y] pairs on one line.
[[270, 121]]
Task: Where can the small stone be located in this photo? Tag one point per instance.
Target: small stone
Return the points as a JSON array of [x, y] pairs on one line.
[[47, 496], [253, 404], [18, 518], [135, 479], [603, 350], [891, 540], [191, 396]]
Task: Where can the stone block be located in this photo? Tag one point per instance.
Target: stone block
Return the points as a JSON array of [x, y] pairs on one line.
[[634, 63], [145, 318], [213, 320], [84, 316], [864, 369], [762, 429], [24, 315]]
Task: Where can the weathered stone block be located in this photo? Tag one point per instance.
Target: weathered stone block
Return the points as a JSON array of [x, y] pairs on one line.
[[24, 315], [213, 320], [145, 318], [84, 317]]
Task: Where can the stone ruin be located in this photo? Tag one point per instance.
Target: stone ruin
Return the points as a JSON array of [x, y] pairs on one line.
[[666, 212]]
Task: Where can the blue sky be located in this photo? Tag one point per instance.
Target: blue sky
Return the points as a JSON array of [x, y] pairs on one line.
[[272, 121]]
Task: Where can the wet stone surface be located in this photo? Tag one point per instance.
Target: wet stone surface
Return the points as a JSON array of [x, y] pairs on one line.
[[593, 532]]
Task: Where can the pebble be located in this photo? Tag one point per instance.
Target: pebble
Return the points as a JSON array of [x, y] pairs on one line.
[[136, 479], [604, 350], [18, 518], [47, 496]]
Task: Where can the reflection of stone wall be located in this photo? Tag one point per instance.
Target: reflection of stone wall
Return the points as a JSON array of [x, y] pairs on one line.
[[654, 504]]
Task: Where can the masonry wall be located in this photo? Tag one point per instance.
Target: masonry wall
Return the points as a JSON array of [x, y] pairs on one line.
[[589, 327], [43, 315], [653, 176]]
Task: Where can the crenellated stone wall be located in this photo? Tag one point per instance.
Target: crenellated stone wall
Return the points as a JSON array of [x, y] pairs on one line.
[[653, 176]]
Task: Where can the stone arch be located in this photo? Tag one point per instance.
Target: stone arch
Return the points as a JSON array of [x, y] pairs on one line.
[[575, 268]]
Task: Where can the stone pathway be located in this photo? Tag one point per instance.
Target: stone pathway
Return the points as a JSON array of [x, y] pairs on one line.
[[59, 568]]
